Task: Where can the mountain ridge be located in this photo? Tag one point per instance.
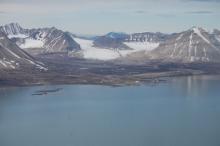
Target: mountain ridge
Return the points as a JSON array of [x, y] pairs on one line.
[[203, 46], [42, 40]]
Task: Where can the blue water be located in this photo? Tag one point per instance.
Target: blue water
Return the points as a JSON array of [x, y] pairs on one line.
[[185, 111]]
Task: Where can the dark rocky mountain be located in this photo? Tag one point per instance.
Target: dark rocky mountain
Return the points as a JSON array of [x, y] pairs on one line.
[[109, 42], [193, 45], [12, 57], [40, 41], [147, 37], [118, 40], [112, 40], [117, 35]]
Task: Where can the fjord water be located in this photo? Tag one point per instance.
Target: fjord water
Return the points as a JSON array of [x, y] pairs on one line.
[[184, 111]]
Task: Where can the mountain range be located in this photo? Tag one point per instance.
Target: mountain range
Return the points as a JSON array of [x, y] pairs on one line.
[[20, 45]]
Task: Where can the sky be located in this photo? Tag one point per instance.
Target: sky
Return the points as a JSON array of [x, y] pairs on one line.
[[103, 16]]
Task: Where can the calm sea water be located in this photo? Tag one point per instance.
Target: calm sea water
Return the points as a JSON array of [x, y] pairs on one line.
[[182, 112]]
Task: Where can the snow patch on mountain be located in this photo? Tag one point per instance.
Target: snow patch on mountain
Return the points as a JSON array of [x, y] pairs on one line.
[[8, 64], [198, 32], [179, 37], [140, 46]]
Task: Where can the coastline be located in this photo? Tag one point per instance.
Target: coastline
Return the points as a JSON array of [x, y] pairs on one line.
[[114, 81]]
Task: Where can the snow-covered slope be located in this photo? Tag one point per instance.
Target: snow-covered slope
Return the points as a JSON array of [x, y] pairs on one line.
[[32, 43]]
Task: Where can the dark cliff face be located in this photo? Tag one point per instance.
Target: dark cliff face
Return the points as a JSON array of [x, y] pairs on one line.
[[110, 43]]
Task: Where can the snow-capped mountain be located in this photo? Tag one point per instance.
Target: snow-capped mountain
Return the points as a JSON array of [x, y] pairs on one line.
[[12, 57], [42, 40], [195, 44]]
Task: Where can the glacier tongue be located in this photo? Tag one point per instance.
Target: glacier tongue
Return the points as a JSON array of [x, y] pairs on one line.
[[91, 52]]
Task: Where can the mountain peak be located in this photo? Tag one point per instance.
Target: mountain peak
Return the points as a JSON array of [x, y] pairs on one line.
[[116, 35], [197, 29], [13, 24], [11, 29]]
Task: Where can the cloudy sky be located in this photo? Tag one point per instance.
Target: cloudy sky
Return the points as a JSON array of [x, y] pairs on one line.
[[102, 16]]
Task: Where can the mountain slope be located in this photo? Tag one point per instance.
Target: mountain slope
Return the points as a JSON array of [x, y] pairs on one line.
[[12, 57], [193, 45]]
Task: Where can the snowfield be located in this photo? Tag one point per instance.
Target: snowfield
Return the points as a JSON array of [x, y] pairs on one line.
[[91, 52], [31, 43], [142, 46]]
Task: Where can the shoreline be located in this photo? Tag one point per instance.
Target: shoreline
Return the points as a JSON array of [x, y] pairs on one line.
[[146, 81]]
